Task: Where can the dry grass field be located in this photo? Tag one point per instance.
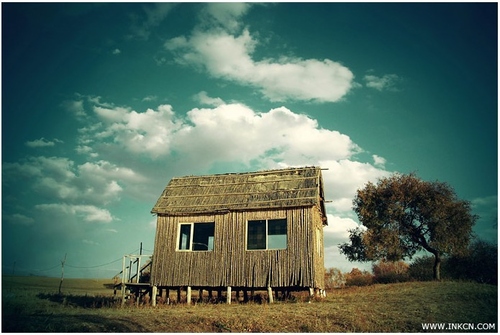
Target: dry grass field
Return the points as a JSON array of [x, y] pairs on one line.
[[31, 304]]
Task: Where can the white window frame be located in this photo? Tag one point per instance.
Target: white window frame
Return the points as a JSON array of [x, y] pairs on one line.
[[191, 236], [267, 235]]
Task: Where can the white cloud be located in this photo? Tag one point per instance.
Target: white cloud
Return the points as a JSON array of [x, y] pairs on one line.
[[344, 177], [228, 133], [203, 98], [147, 132], [379, 161], [230, 57], [386, 82], [42, 142], [87, 212], [116, 51], [235, 132], [227, 14], [60, 179], [150, 98], [18, 219]]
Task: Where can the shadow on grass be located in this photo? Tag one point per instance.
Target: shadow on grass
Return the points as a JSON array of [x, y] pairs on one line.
[[84, 301], [68, 323]]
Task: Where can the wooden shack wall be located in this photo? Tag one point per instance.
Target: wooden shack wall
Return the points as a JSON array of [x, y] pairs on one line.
[[230, 264]]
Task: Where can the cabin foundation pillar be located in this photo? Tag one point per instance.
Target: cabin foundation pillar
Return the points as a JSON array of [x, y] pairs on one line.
[[178, 295], [228, 296], [311, 292], [188, 295], [154, 292], [210, 295], [219, 294], [245, 295], [270, 294]]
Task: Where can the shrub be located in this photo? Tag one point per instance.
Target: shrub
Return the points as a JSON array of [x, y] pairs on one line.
[[480, 264], [421, 268], [359, 278], [390, 272]]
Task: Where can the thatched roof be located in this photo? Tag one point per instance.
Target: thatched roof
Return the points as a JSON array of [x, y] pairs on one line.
[[271, 189]]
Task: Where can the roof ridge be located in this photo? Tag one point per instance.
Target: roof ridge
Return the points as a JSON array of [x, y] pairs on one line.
[[249, 172]]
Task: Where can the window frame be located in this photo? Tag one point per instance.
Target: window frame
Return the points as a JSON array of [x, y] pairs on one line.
[[266, 234], [191, 237]]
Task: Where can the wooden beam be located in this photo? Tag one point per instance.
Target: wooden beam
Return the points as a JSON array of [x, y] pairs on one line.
[[188, 295]]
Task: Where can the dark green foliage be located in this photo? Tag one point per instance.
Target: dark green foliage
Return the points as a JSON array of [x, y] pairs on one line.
[[421, 268], [480, 264]]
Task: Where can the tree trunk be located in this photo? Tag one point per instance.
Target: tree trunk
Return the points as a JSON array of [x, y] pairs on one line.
[[437, 266]]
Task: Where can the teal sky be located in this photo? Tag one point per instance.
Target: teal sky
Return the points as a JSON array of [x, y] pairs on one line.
[[102, 104]]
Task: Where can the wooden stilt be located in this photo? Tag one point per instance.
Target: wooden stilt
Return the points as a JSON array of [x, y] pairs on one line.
[[179, 295], [188, 295], [311, 292], [270, 294], [154, 292], [200, 295], [245, 295], [228, 297], [219, 294]]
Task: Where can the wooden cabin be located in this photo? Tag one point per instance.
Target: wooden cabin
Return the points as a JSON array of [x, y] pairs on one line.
[[241, 232]]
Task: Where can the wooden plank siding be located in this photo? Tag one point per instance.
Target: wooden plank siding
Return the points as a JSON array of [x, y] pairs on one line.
[[301, 264]]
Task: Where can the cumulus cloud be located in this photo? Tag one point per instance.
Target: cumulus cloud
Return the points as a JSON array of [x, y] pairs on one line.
[[203, 98], [150, 98], [225, 14], [386, 82], [148, 132], [379, 161], [61, 179], [87, 212], [42, 142], [229, 57], [344, 177], [232, 134]]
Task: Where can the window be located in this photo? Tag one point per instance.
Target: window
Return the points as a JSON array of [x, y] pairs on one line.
[[266, 234], [197, 236]]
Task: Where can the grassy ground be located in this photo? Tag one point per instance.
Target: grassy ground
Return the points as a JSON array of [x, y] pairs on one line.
[[30, 304]]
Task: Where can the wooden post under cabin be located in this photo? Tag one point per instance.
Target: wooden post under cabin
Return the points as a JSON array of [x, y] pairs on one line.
[[188, 295], [228, 297], [200, 295], [270, 294], [178, 295], [154, 292]]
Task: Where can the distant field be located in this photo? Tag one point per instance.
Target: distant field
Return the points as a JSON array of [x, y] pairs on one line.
[[30, 304]]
